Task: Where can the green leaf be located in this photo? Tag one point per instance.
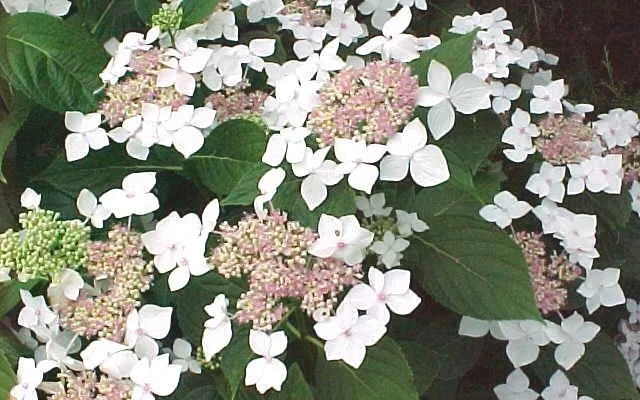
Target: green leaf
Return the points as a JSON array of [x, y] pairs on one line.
[[455, 53], [202, 393], [232, 150], [424, 363], [246, 189], [191, 299], [384, 375], [12, 348], [10, 294], [56, 64], [613, 210], [7, 377], [146, 9], [601, 373], [234, 359], [196, 11], [294, 388], [11, 124], [340, 201], [473, 268]]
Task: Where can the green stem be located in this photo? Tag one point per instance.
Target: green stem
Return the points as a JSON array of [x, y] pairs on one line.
[[314, 341], [102, 17], [292, 329], [442, 10]]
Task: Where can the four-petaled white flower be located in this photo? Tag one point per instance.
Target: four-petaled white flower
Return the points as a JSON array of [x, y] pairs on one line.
[[154, 376], [389, 249], [389, 290], [134, 197], [407, 223], [341, 238], [319, 173], [410, 153], [186, 59], [217, 330], [184, 128], [507, 207], [86, 134], [357, 157], [559, 388], [289, 142], [88, 207], [476, 328], [66, 287], [516, 387], [347, 334], [343, 24], [182, 356], [374, 205], [30, 199], [151, 322], [30, 376], [525, 338], [601, 288], [35, 314], [393, 44], [503, 96], [467, 94], [548, 182], [548, 99], [571, 335], [266, 372]]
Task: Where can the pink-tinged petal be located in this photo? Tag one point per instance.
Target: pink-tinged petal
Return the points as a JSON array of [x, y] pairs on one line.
[[203, 117], [376, 280], [259, 342], [368, 330], [155, 320], [362, 297], [337, 348], [396, 282], [278, 343], [165, 379], [166, 77], [185, 83], [380, 313], [196, 62]]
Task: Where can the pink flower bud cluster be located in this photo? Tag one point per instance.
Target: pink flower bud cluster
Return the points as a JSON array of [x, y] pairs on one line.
[[309, 14], [273, 254], [124, 99], [119, 261], [236, 103], [549, 276], [370, 103], [630, 160], [564, 140], [85, 385]]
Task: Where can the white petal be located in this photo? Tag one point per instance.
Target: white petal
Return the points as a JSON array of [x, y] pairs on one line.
[[313, 191], [441, 119], [262, 47], [155, 320], [363, 177], [275, 151], [394, 168], [439, 77], [429, 166], [188, 140], [76, 146], [470, 94], [398, 23]]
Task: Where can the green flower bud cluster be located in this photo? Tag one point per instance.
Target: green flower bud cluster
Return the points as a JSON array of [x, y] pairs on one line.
[[45, 246], [168, 19], [380, 225], [211, 365]]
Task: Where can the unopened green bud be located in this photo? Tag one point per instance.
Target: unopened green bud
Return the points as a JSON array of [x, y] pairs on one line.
[[168, 19]]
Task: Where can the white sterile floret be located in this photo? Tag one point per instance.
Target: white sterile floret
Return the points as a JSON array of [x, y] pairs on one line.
[[495, 19], [295, 96], [379, 11], [547, 58], [633, 307], [290, 143], [515, 388], [182, 352], [154, 376], [467, 94], [309, 39], [617, 127], [407, 223], [571, 336], [30, 199], [503, 96], [548, 182], [319, 173], [89, 207], [342, 24], [86, 134], [35, 314], [410, 153], [525, 338], [341, 238], [577, 234], [184, 129], [151, 322], [29, 377], [389, 249], [134, 198], [634, 192], [476, 328], [221, 23], [178, 245], [58, 347], [373, 206], [520, 135], [186, 59], [393, 44], [580, 109], [561, 389], [356, 158], [266, 372], [217, 329], [385, 291], [59, 8], [506, 208], [327, 61], [258, 10], [548, 98], [597, 174], [348, 334], [65, 287], [601, 288], [268, 186]]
